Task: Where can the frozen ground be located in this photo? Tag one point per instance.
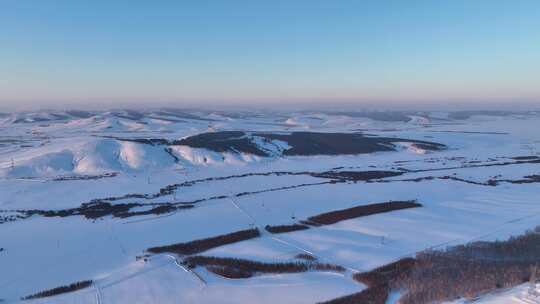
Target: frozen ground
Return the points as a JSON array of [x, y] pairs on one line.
[[480, 186]]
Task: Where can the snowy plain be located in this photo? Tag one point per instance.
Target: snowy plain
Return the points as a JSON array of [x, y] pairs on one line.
[[59, 160]]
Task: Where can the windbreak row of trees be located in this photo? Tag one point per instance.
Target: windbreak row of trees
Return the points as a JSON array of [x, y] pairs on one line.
[[337, 216], [234, 268], [60, 290], [198, 246]]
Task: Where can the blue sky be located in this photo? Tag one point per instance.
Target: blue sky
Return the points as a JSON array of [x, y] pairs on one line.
[[268, 51]]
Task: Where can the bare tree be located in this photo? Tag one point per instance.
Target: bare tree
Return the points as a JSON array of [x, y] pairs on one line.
[[532, 282]]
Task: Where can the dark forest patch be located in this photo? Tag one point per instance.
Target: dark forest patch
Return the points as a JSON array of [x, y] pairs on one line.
[[470, 270], [225, 141], [301, 143], [311, 143], [464, 271]]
